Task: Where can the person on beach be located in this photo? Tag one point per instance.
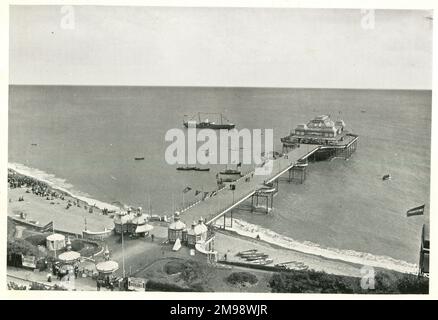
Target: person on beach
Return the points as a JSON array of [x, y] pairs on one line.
[[152, 237]]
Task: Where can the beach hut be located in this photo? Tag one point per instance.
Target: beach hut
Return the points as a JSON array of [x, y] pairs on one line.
[[197, 233], [177, 230], [55, 242]]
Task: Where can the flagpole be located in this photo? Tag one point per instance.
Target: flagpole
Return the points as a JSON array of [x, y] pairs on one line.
[[123, 251], [53, 232]]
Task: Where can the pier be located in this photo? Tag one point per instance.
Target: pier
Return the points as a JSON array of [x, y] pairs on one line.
[[261, 184]]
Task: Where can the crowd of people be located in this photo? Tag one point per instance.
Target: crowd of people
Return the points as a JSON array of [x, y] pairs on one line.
[[35, 186], [42, 189]]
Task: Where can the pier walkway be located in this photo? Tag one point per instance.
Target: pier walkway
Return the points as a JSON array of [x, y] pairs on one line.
[[227, 199]]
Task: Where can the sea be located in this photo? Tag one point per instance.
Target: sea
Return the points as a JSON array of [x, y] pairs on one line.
[[84, 139]]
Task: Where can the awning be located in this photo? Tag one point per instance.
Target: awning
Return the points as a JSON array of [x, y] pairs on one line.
[[107, 266], [143, 228], [69, 256]]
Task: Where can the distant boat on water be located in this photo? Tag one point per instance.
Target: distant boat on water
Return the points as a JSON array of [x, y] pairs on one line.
[[207, 124], [139, 158], [386, 177], [191, 168]]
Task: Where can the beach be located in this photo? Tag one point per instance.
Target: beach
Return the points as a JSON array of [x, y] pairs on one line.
[[40, 211], [84, 140]]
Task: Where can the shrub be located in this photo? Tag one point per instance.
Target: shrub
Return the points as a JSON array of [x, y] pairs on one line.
[[37, 239], [190, 270], [15, 286], [21, 246], [11, 228], [153, 285], [77, 245], [413, 285], [297, 281], [320, 282], [242, 278], [173, 267], [40, 286]]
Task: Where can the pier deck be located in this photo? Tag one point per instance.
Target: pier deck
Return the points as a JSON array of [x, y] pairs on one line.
[[226, 199]]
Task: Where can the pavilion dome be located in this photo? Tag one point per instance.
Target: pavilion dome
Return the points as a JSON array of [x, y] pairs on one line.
[[123, 217], [139, 219], [177, 224]]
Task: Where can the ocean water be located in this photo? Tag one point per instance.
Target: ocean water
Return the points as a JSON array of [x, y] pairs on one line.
[[87, 138]]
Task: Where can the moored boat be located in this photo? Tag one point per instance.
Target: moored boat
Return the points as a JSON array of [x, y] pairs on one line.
[[186, 168]]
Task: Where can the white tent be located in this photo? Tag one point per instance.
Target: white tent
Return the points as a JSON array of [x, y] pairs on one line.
[[143, 228], [177, 245]]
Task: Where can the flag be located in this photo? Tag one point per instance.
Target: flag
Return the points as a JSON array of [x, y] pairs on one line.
[[197, 192], [186, 189], [417, 211], [47, 227]]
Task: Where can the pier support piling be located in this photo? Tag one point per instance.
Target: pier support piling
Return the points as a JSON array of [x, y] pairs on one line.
[[297, 174], [269, 201]]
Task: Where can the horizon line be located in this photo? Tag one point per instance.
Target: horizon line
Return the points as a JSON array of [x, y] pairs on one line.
[[200, 86]]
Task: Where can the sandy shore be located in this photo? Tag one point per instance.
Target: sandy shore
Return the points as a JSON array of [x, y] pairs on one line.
[[43, 211], [231, 243]]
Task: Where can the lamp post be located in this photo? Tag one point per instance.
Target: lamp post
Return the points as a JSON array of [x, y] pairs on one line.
[[123, 251], [233, 188]]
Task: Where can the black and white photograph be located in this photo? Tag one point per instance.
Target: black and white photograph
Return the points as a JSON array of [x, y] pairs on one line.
[[218, 149]]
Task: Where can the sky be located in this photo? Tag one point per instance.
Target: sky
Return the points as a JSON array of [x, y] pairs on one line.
[[243, 47]]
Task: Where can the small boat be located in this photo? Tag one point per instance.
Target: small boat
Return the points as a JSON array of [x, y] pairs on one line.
[[139, 158], [231, 172], [186, 168], [252, 254], [256, 258], [262, 261], [34, 144], [201, 169], [246, 251], [386, 177]]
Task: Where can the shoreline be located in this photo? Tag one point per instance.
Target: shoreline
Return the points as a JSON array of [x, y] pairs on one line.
[[26, 171], [248, 230], [245, 230]]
